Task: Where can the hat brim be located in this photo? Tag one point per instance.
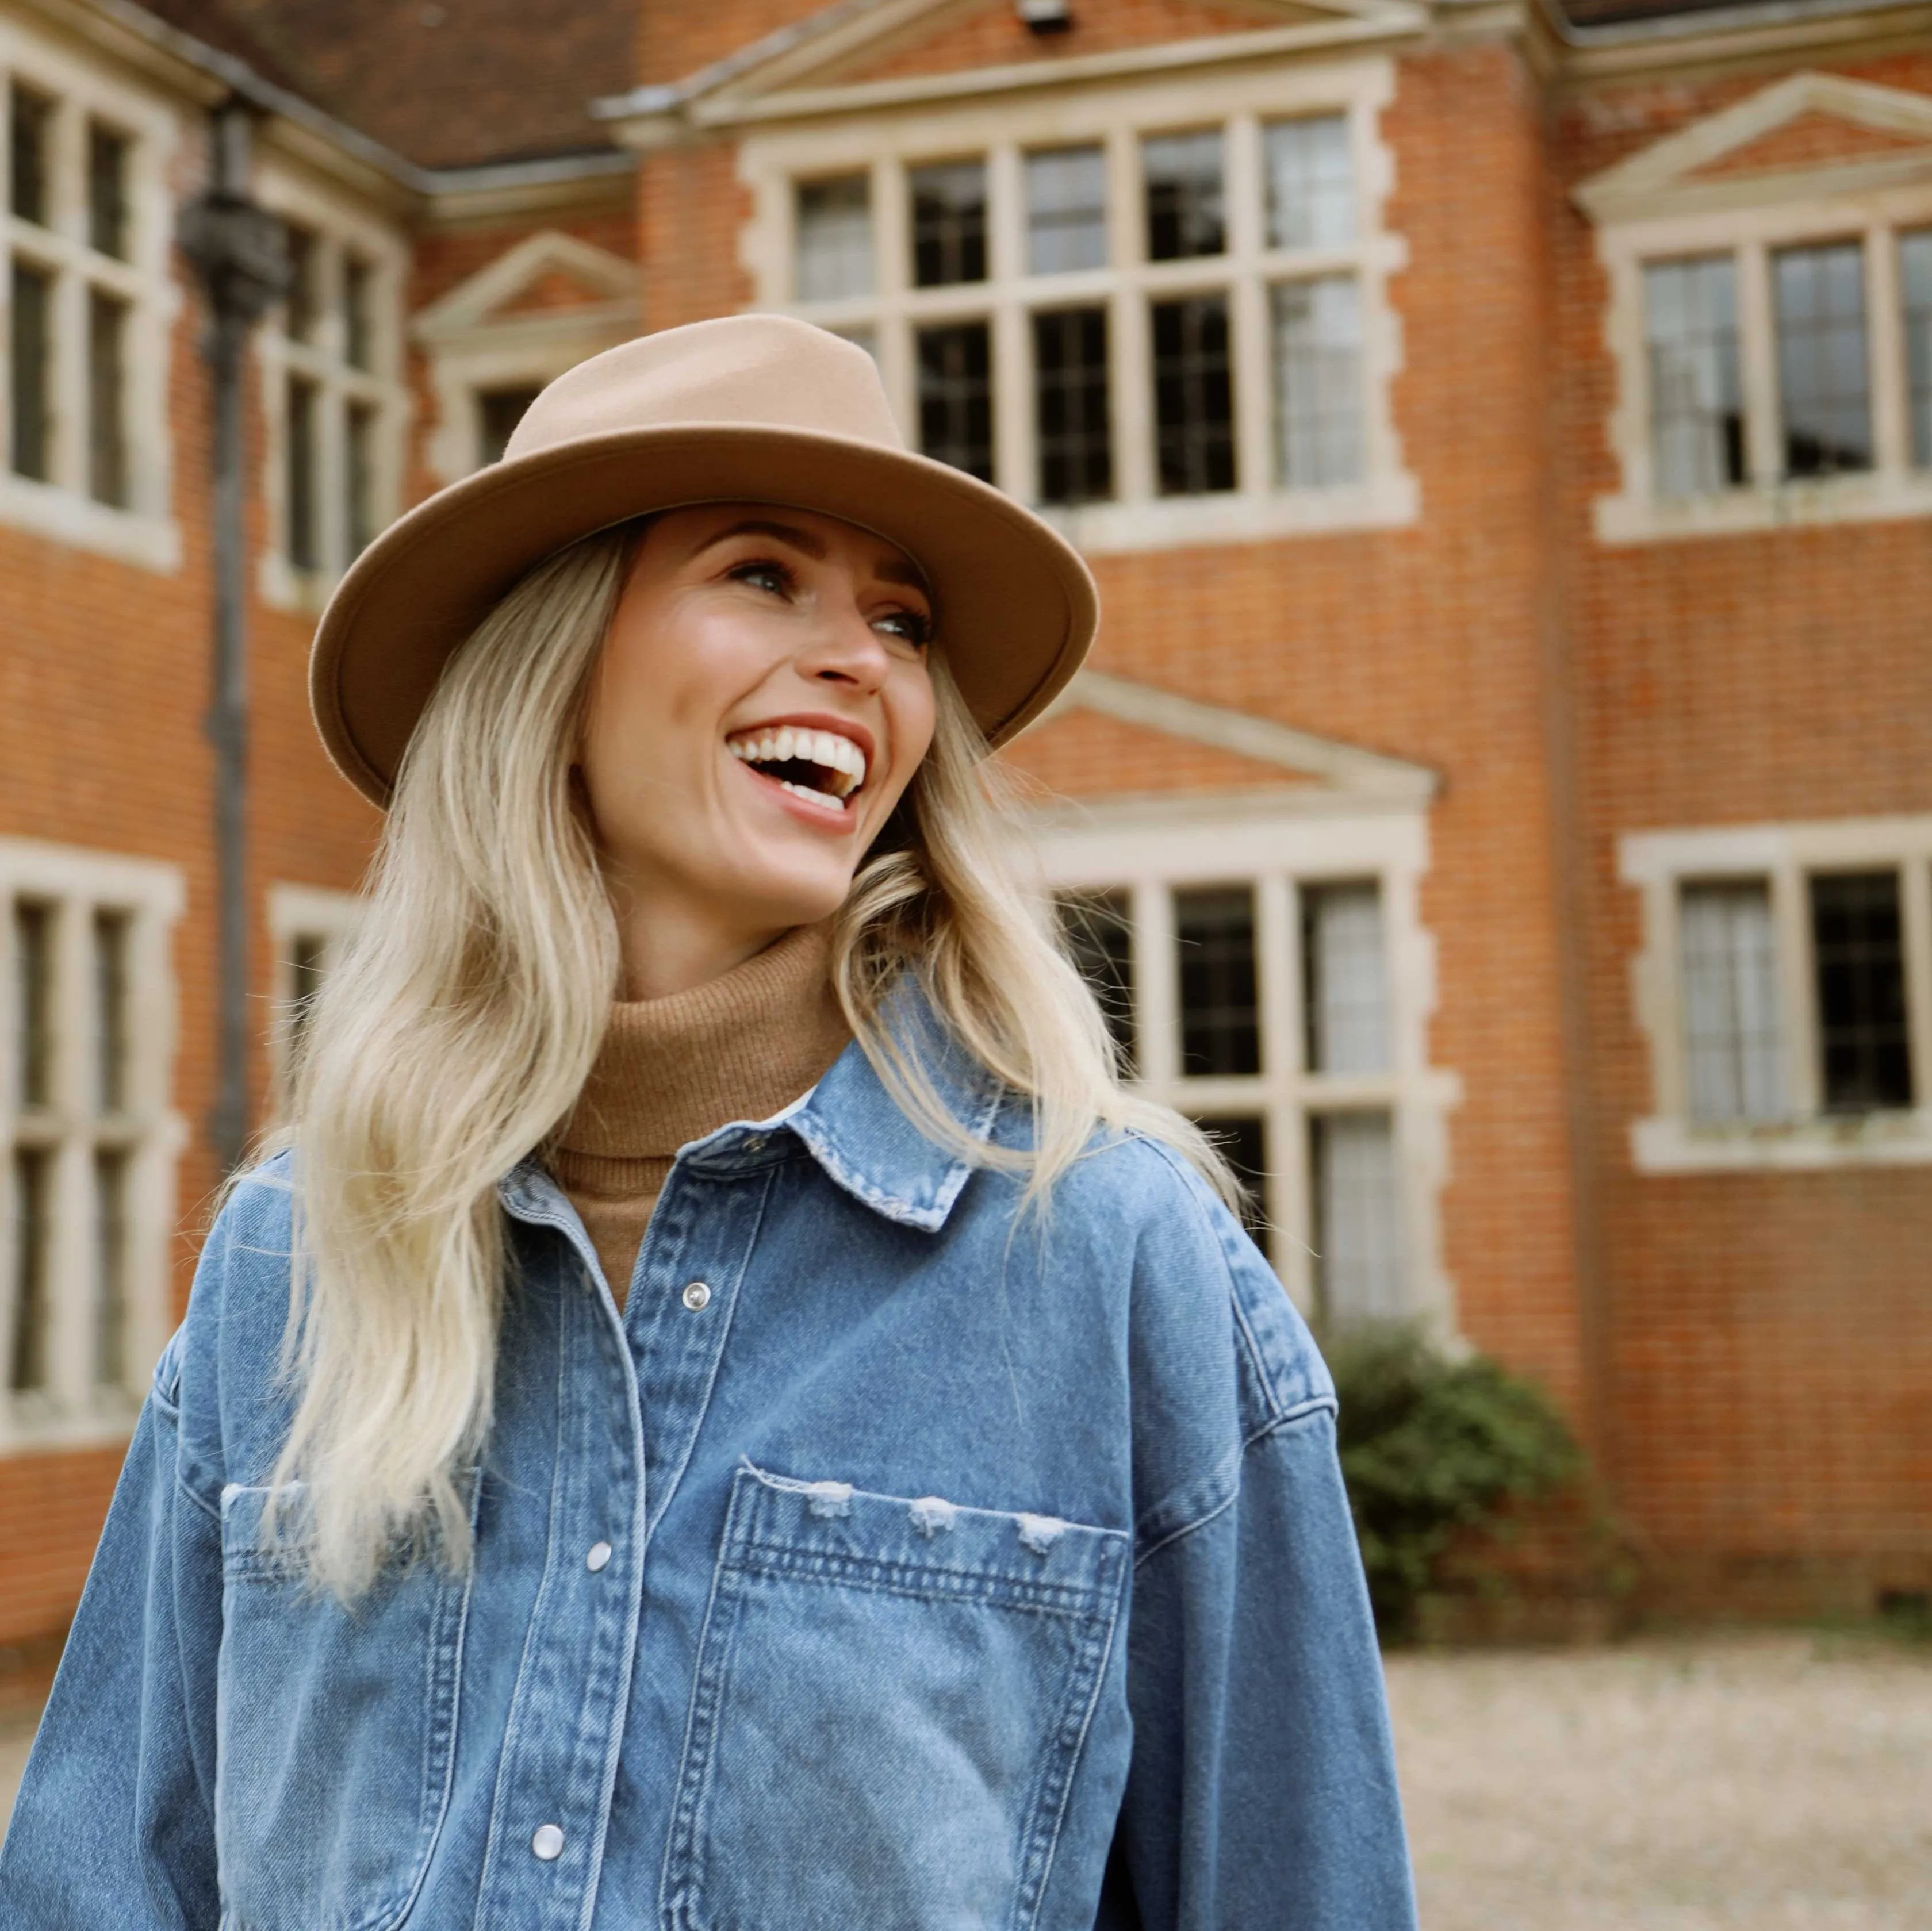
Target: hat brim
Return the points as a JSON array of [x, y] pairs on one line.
[[1016, 607]]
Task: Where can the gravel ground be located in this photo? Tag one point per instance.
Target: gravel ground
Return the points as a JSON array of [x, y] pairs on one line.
[[1779, 1783], [1783, 1783]]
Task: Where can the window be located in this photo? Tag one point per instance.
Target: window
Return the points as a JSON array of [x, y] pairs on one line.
[[32, 350], [1915, 263], [1317, 360], [1775, 364], [955, 397], [1786, 991], [30, 123], [1311, 183], [1073, 429], [89, 282], [301, 540], [1697, 413], [1823, 397], [331, 357], [1164, 331], [834, 238], [86, 1205], [1858, 952], [106, 398], [1066, 210], [949, 224], [1253, 975], [1220, 996], [1186, 199], [107, 159], [1731, 1037]]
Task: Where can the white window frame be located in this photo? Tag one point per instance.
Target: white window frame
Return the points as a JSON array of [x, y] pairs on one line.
[[1150, 848], [341, 227], [1667, 1139], [144, 531], [473, 347], [297, 912], [1661, 204], [771, 161], [72, 1411]]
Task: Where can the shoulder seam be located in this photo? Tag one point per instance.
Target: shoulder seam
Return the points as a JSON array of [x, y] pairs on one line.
[[1190, 1180], [1315, 1404]]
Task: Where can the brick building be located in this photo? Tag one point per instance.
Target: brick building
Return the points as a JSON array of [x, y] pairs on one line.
[[1501, 799]]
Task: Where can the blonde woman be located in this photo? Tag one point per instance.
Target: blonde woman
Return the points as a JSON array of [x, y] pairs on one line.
[[725, 1414]]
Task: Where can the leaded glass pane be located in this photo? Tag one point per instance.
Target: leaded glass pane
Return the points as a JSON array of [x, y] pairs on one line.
[[1359, 1266], [1733, 1051], [1697, 410], [1066, 211], [1318, 361], [1186, 212], [1311, 183], [1072, 425], [834, 238], [1823, 388]]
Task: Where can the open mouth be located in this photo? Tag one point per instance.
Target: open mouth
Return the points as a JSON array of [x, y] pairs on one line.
[[821, 766]]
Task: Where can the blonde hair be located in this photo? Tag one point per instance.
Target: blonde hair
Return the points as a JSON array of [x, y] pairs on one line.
[[454, 1036]]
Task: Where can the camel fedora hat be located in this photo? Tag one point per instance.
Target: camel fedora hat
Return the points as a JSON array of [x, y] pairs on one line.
[[748, 407]]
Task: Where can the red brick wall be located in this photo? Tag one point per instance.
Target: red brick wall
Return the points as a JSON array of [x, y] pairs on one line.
[[1767, 1353]]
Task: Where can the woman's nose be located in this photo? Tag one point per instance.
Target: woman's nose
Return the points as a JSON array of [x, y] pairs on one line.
[[847, 650]]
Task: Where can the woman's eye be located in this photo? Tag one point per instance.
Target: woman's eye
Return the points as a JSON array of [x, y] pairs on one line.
[[912, 625], [762, 575]]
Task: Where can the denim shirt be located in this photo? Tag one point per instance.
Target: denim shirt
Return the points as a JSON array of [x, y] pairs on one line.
[[891, 1563]]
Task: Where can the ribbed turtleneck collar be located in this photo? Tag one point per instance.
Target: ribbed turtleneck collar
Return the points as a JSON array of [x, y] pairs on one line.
[[740, 1047]]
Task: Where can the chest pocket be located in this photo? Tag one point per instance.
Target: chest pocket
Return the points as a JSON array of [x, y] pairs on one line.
[[891, 1698], [335, 1729]]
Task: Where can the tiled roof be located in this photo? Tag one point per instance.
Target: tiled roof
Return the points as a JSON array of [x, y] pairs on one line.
[[444, 83]]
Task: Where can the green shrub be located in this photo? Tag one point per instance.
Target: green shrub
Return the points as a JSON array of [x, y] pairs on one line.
[[1431, 1447]]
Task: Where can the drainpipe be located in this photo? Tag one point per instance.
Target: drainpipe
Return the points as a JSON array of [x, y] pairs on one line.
[[239, 250]]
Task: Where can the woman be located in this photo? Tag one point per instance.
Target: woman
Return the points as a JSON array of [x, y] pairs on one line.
[[797, 1449]]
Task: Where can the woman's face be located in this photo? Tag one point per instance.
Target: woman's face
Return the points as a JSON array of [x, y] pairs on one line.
[[761, 702]]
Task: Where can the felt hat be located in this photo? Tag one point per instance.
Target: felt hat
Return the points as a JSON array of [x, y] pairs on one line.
[[749, 407]]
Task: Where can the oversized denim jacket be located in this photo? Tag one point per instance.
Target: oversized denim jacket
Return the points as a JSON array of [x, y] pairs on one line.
[[890, 1563]]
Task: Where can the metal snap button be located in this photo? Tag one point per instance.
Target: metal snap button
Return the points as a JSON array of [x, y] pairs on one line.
[[754, 1143], [597, 1555], [697, 1297], [547, 1843]]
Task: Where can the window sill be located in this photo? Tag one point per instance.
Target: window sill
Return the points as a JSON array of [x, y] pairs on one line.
[[1173, 522], [1675, 1145], [152, 542], [1862, 499]]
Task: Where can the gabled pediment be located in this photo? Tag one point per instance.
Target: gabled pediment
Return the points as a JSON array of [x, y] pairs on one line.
[[858, 53], [546, 278], [1111, 738], [1810, 133]]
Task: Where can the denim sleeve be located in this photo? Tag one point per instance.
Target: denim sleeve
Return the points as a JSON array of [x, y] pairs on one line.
[[1263, 1788], [113, 1829]]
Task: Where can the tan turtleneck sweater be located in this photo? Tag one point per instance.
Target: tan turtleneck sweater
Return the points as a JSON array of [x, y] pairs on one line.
[[672, 1070]]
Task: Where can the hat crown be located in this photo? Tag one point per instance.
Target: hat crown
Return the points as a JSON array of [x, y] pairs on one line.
[[772, 371]]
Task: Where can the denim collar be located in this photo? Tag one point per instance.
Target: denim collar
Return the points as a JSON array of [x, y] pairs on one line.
[[851, 1126]]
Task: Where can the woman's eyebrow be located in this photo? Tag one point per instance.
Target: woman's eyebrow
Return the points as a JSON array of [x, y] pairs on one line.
[[891, 570], [799, 539]]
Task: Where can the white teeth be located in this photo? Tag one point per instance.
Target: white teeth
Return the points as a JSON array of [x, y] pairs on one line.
[[827, 749], [824, 800]]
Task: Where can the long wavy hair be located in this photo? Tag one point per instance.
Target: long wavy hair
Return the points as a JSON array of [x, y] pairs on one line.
[[453, 1039]]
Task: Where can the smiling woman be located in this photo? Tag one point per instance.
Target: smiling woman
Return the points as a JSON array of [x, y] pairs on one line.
[[680, 1434]]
